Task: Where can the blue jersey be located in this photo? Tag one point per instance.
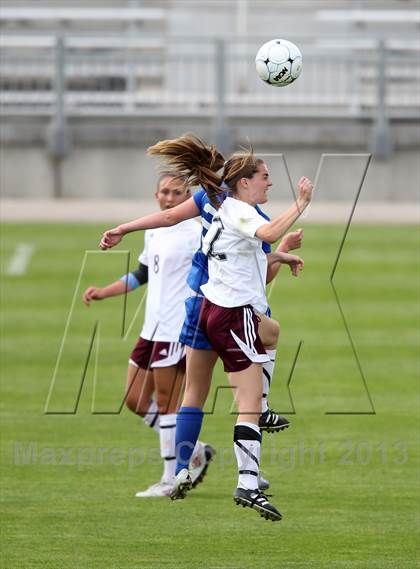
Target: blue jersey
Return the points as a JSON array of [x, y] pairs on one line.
[[199, 273]]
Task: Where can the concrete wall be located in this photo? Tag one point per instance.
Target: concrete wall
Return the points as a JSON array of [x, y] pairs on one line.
[[126, 172]]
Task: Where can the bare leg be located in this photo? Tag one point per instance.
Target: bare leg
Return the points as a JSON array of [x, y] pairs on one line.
[[168, 385], [268, 331], [139, 389], [247, 385], [200, 365]]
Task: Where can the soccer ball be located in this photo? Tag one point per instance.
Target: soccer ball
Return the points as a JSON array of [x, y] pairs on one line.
[[278, 62]]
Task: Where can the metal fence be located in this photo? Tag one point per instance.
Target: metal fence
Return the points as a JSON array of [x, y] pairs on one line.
[[120, 76]]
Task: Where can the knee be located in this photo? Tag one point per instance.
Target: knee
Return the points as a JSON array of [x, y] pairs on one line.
[[162, 400], [276, 331], [272, 333], [138, 404], [132, 404]]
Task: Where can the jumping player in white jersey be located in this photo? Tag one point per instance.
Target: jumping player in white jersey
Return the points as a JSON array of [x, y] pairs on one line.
[[233, 314], [157, 363]]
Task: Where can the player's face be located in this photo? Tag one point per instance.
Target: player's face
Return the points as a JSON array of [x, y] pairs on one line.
[[258, 185], [171, 192]]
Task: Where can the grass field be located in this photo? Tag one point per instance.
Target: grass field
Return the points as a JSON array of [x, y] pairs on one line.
[[345, 479]]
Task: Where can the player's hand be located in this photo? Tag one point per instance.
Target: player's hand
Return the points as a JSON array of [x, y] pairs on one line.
[[111, 238], [295, 263], [292, 240], [92, 293], [305, 189]]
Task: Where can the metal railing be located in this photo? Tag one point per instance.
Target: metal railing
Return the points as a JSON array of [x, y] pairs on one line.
[[120, 76]]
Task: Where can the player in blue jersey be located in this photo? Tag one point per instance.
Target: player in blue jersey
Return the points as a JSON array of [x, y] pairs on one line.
[[201, 358]]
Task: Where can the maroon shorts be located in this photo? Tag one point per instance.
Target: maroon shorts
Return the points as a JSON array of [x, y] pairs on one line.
[[148, 354], [233, 334]]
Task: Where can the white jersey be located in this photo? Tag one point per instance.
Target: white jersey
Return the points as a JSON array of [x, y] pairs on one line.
[[237, 263], [167, 253]]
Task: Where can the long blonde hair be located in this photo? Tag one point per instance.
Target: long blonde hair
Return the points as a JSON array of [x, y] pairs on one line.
[[189, 157]]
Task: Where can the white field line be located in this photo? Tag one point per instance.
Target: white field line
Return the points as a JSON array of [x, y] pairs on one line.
[[20, 260]]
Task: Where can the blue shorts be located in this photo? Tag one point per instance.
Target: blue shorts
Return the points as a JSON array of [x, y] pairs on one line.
[[191, 333]]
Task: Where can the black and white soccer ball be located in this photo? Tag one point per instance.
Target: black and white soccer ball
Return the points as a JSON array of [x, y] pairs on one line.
[[279, 62]]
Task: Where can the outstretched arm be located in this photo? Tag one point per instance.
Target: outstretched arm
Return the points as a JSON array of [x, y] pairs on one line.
[[96, 293], [165, 218], [289, 242], [271, 232], [127, 283]]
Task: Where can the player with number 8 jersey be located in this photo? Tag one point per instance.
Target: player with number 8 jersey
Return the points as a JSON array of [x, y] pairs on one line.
[[168, 252], [157, 362]]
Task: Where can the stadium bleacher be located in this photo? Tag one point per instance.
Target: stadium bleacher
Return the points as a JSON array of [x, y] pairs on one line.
[[131, 70], [128, 57], [99, 71]]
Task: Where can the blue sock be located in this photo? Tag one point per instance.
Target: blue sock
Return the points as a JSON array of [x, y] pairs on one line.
[[188, 426]]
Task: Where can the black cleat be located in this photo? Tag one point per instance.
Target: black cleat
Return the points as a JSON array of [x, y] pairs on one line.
[[258, 501], [272, 423]]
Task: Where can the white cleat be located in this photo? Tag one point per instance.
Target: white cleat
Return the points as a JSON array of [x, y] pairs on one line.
[[199, 463], [160, 490], [183, 483]]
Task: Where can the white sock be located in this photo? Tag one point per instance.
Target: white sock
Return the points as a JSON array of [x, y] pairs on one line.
[[247, 445], [152, 418], [268, 372], [167, 445]]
